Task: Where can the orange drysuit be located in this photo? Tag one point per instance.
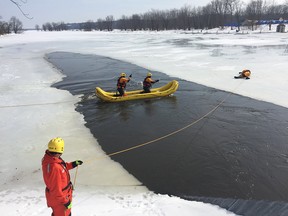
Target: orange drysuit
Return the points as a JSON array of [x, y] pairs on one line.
[[147, 84], [121, 85], [58, 185], [122, 81], [246, 73]]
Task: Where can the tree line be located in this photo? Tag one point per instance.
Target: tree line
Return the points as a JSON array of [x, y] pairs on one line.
[[13, 25], [217, 13]]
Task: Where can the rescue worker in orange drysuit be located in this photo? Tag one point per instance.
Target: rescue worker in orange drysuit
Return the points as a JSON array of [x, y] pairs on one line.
[[121, 83], [147, 83], [57, 178]]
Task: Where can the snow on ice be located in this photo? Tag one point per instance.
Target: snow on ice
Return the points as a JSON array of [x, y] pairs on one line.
[[32, 112]]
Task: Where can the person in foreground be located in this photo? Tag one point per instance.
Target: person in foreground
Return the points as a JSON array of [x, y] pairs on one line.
[[147, 83], [57, 178], [121, 83], [244, 74]]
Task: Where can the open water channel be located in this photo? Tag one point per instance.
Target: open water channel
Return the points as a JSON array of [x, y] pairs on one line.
[[236, 157]]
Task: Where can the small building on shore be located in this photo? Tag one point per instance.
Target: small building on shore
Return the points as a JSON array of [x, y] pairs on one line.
[[280, 28]]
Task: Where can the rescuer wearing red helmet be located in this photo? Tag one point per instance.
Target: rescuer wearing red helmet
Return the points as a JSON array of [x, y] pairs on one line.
[[57, 178]]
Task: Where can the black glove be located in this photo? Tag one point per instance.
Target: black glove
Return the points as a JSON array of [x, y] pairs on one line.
[[156, 80], [76, 163], [130, 75]]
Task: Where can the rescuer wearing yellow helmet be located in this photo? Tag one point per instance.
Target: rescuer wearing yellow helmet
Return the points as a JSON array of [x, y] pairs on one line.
[[147, 83], [121, 83], [57, 178], [56, 145]]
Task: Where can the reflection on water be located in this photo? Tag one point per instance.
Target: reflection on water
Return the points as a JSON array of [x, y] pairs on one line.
[[239, 152]]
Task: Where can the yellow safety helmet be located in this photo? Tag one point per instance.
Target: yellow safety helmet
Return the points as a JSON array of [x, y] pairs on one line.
[[149, 74], [56, 145], [123, 74]]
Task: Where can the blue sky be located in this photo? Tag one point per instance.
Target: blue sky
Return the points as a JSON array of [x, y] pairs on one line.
[[82, 10]]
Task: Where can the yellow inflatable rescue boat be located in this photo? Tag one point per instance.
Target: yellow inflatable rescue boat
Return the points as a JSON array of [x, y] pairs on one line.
[[163, 91]]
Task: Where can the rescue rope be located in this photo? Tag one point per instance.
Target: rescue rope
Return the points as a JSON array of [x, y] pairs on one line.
[[172, 133], [60, 102], [75, 177], [39, 104], [160, 138]]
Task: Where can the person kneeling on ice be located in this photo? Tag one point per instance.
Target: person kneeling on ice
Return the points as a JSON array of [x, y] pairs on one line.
[[121, 83], [244, 74], [147, 83], [57, 178]]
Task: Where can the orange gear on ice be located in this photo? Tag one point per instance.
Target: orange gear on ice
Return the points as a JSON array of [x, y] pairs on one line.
[[246, 73]]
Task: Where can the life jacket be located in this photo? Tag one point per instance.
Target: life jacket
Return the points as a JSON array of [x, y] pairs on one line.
[[121, 83], [57, 180], [147, 82]]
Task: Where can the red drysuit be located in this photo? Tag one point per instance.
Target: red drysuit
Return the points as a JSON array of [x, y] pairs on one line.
[[58, 185]]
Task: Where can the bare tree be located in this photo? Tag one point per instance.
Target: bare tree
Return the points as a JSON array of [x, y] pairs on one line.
[[198, 18], [18, 4], [184, 16], [152, 19], [230, 5], [4, 28], [123, 23], [166, 19], [44, 27], [172, 18], [275, 11], [219, 8], [136, 22], [89, 25], [109, 23], [207, 17], [37, 27], [238, 13], [47, 27], [16, 25], [100, 24], [254, 11]]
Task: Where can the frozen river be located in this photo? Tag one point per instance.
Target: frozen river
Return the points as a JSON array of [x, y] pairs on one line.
[[236, 153]]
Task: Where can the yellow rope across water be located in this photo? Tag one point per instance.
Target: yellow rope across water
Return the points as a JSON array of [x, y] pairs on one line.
[[172, 133], [165, 136], [157, 139]]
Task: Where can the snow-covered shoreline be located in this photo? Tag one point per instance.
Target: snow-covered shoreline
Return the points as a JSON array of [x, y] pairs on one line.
[[32, 112], [120, 201]]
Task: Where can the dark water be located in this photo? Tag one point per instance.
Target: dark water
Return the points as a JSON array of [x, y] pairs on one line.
[[236, 157]]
